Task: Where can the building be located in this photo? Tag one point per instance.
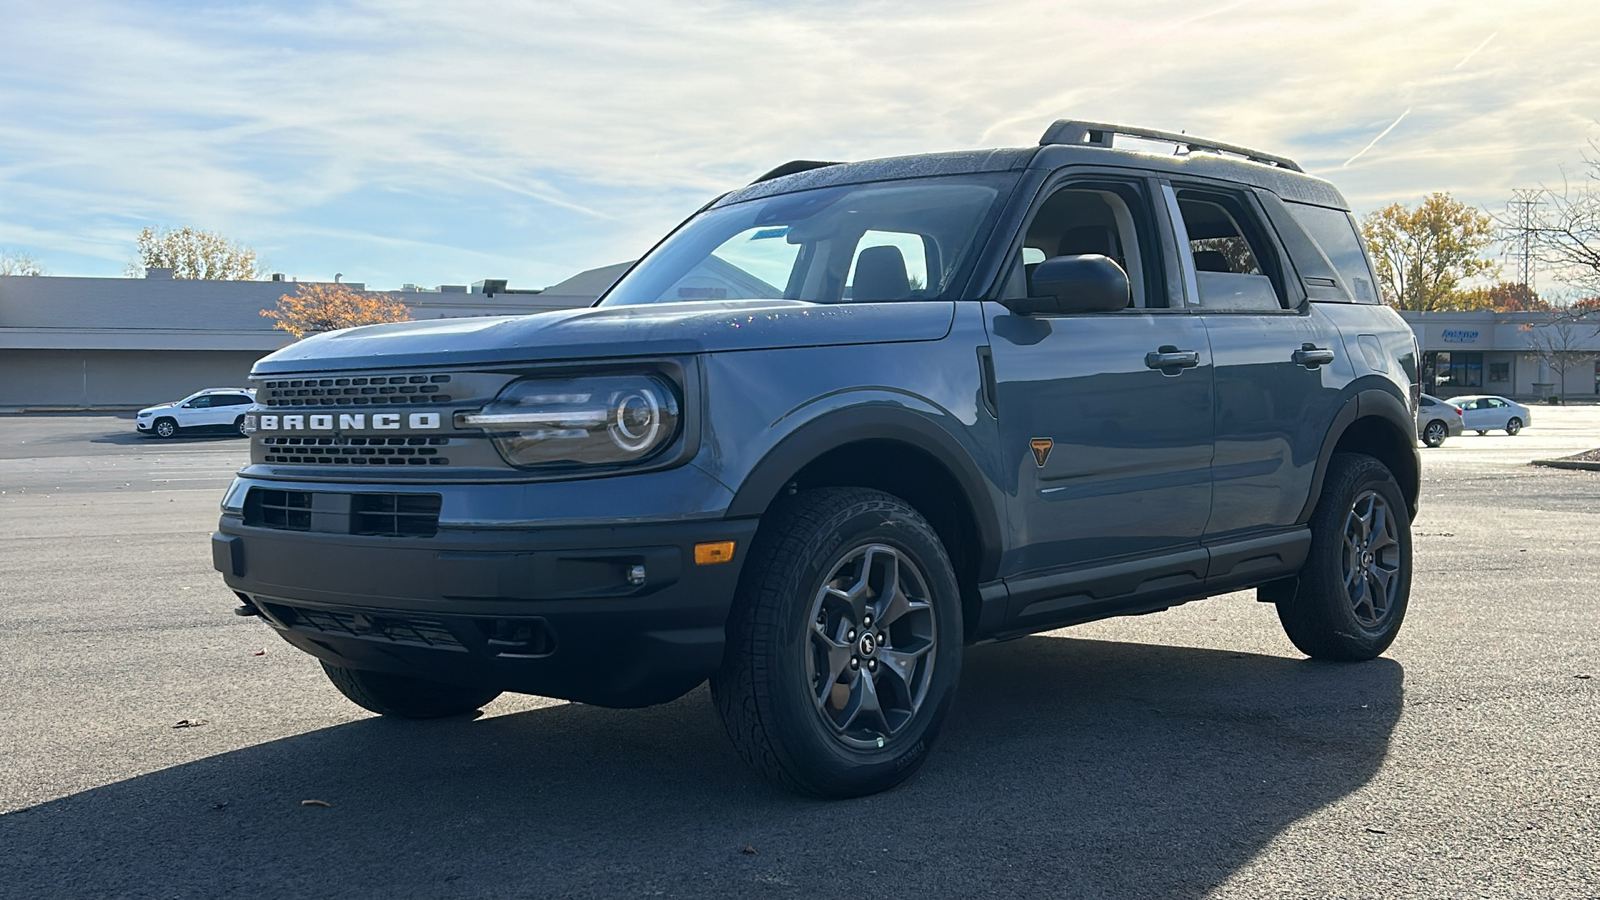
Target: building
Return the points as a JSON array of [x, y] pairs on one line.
[[108, 343], [1485, 352]]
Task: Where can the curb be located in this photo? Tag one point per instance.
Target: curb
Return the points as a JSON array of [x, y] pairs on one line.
[[1580, 464]]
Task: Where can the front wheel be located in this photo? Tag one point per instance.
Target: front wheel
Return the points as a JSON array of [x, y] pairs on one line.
[[1352, 592], [1435, 433], [844, 647], [238, 425], [406, 698], [1513, 426], [165, 428]]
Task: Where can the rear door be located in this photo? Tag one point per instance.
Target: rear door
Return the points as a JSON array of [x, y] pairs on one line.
[[1280, 365], [1105, 418]]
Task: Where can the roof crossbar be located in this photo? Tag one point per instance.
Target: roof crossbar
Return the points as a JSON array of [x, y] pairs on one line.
[[1099, 134], [793, 166]]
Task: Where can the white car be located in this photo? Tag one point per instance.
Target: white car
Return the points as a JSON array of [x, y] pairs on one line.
[[1485, 413], [213, 409]]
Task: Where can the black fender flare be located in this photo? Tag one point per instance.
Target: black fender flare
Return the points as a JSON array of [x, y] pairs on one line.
[[833, 430], [1366, 403]]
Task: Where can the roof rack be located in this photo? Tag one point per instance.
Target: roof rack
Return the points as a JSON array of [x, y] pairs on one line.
[[793, 166], [1099, 134]]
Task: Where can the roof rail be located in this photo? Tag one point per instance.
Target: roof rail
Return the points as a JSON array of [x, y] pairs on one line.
[[793, 166], [1099, 134]]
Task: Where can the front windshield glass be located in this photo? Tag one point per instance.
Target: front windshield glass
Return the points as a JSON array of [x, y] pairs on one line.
[[883, 241]]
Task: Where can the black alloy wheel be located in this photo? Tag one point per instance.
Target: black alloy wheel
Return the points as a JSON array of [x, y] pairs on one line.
[[1350, 597], [844, 644]]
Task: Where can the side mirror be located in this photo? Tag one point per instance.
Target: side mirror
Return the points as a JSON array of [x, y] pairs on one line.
[[1075, 284]]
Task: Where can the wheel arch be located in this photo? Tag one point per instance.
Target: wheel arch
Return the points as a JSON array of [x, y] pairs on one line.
[[1375, 422], [901, 453]]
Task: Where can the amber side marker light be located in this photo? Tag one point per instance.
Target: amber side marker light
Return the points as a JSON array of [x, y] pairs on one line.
[[713, 553]]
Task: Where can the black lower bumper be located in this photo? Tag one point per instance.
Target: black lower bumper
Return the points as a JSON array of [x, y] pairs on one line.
[[614, 616]]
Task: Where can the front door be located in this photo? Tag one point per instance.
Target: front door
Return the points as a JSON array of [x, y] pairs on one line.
[[1105, 418]]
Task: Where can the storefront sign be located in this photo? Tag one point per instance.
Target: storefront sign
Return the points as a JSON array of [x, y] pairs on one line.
[[1459, 337]]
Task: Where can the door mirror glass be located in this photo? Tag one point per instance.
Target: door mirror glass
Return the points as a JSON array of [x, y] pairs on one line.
[[1085, 283]]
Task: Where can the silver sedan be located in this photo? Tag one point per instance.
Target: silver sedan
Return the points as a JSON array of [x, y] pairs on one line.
[[1484, 413]]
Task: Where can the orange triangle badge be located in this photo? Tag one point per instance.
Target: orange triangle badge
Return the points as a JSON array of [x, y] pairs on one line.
[[1041, 449]]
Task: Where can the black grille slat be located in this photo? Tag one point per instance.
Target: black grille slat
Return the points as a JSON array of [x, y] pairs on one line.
[[339, 450], [377, 390], [395, 515], [392, 629], [373, 515]]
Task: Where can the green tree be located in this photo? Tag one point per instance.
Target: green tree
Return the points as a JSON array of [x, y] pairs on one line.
[[192, 253], [1424, 253]]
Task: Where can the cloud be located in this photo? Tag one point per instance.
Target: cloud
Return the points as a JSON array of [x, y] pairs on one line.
[[536, 139]]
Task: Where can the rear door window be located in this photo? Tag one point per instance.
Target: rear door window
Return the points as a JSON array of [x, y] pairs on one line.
[[1234, 264], [1335, 232]]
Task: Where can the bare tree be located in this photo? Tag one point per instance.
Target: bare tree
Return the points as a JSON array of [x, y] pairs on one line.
[[1560, 227], [192, 253], [1564, 341], [19, 264]]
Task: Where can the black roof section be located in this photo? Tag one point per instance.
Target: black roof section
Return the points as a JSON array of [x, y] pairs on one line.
[[1066, 142], [922, 165]]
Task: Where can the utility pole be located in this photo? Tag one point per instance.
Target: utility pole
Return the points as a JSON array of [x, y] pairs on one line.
[[1523, 202]]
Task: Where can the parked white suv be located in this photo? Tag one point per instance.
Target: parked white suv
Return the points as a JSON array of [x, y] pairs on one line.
[[213, 409]]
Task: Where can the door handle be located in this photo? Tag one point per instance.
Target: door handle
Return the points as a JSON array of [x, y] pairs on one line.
[[1170, 360], [1311, 356]]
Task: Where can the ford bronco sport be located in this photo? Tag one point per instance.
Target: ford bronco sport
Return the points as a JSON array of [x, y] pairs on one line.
[[837, 425]]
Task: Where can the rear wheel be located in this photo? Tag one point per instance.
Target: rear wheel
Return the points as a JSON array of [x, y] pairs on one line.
[[1481, 431], [1352, 593], [1434, 434], [406, 698], [844, 646], [1513, 426], [164, 428]]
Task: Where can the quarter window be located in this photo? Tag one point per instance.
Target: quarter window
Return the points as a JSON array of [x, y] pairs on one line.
[[1334, 231]]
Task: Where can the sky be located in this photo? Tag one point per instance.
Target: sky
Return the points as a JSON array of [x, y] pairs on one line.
[[430, 142]]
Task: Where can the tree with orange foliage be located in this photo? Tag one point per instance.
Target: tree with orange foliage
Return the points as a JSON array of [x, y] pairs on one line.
[[1503, 297], [330, 307]]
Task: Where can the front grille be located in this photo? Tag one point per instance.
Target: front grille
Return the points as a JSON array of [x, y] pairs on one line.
[[356, 451], [337, 512], [284, 510], [391, 629], [395, 515], [372, 390]]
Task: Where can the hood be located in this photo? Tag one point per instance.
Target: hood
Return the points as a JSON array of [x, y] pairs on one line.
[[663, 329], [160, 406]]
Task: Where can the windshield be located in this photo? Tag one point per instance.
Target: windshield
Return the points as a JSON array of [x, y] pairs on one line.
[[897, 240]]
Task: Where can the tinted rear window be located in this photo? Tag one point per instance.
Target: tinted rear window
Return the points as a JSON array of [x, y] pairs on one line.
[[1335, 232]]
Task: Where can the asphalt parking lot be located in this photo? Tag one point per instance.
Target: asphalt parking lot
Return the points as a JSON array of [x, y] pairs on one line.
[[1187, 754]]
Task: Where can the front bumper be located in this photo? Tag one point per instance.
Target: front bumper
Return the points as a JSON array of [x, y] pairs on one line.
[[559, 611]]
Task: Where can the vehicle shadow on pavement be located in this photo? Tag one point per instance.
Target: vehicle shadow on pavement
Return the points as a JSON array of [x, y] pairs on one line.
[[1069, 768], [135, 439]]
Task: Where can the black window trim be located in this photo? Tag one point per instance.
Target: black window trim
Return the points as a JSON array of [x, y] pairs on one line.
[[1154, 244], [1287, 282]]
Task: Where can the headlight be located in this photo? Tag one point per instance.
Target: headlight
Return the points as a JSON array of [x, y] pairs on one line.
[[590, 421]]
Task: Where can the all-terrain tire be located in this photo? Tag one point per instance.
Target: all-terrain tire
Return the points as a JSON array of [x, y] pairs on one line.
[[773, 706], [406, 698], [1325, 616]]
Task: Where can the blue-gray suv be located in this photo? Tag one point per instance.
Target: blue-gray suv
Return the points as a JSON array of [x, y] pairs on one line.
[[836, 426]]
